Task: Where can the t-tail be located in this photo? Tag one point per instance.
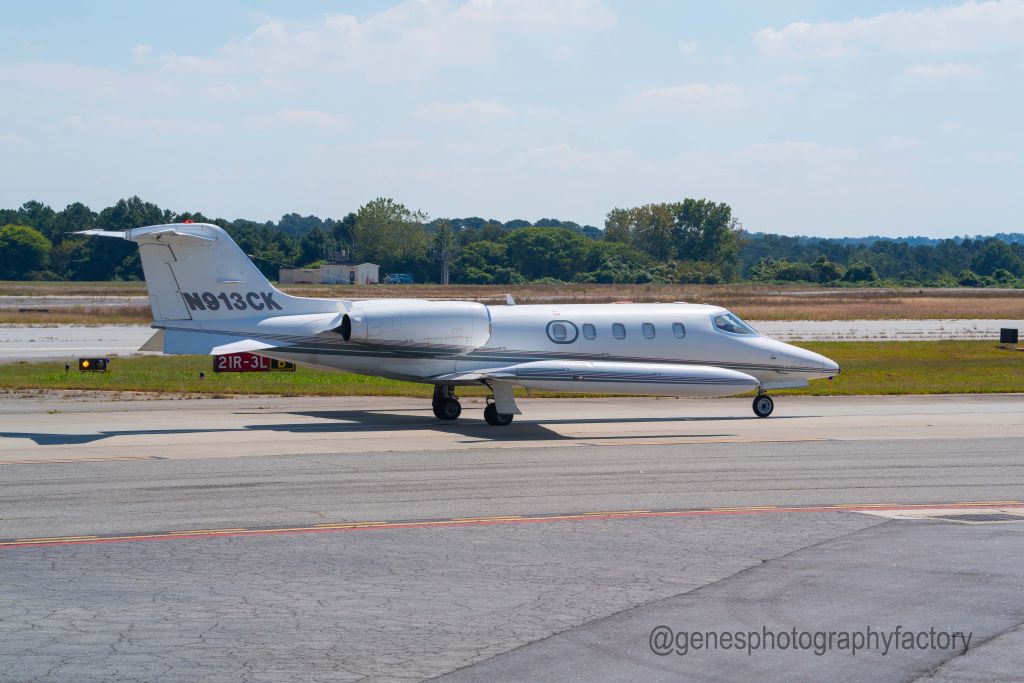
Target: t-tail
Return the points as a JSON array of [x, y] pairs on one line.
[[199, 280]]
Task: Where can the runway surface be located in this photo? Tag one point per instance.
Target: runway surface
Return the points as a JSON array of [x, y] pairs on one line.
[[355, 539], [68, 341]]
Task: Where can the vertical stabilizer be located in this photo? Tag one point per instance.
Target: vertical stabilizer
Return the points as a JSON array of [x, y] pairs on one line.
[[195, 271]]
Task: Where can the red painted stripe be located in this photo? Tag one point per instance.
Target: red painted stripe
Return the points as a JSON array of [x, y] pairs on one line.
[[433, 524]]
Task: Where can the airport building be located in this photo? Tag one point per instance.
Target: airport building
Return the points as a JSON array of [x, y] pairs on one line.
[[340, 273]]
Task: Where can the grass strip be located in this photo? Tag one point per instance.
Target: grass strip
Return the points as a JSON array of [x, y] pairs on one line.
[[869, 368]]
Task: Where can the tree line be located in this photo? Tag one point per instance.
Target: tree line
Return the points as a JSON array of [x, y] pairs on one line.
[[691, 241]]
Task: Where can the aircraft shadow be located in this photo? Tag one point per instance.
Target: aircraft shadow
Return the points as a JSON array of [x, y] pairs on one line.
[[366, 421]]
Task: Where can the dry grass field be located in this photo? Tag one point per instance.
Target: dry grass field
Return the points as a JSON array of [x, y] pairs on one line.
[[754, 302]]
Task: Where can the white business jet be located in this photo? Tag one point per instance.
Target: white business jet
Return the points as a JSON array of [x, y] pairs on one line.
[[209, 298]]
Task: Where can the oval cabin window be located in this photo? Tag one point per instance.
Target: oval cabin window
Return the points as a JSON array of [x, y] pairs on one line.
[[679, 330], [589, 331], [562, 332], [648, 330], [619, 331]]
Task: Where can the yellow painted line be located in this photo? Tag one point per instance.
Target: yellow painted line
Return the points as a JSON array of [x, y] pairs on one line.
[[206, 531], [43, 539]]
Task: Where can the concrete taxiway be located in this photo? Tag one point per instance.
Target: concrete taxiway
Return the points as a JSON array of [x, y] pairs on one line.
[[361, 539]]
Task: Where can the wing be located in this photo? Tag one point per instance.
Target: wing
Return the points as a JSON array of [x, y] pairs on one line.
[[613, 378]]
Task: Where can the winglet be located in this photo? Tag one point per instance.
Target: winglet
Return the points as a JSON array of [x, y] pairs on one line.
[[509, 301]]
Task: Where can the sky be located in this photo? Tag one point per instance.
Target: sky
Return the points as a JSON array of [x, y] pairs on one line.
[[827, 118]]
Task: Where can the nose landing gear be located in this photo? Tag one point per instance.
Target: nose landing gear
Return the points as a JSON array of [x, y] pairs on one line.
[[763, 405], [445, 405]]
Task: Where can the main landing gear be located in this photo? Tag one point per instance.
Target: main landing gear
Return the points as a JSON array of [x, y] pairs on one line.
[[446, 406], [495, 418], [763, 405]]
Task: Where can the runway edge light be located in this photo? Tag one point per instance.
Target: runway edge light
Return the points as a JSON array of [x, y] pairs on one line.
[[93, 364]]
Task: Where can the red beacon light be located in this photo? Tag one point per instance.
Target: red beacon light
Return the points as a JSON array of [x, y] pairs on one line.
[[187, 220]]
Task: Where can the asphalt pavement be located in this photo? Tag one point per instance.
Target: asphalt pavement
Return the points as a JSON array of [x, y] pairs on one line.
[[360, 539]]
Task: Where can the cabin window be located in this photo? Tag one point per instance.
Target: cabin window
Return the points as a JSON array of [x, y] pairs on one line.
[[562, 332], [727, 322], [679, 330], [589, 331], [619, 331], [648, 330]]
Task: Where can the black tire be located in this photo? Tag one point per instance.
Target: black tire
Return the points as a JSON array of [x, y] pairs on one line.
[[447, 409], [763, 405], [495, 418]]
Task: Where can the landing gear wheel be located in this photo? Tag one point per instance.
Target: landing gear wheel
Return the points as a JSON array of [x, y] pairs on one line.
[[763, 405], [495, 418], [447, 409]]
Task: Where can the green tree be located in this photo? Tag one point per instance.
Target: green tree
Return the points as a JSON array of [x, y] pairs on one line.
[[546, 252], [861, 272], [389, 234], [74, 217], [23, 252], [618, 226], [706, 231], [312, 246], [994, 255], [826, 271], [652, 230]]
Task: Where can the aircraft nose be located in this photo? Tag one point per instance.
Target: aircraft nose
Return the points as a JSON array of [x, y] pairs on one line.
[[810, 359]]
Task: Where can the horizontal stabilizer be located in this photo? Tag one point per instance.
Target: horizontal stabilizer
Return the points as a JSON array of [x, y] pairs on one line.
[[201, 343], [119, 234]]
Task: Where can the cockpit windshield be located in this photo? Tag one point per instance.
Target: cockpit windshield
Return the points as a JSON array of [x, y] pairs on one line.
[[727, 322]]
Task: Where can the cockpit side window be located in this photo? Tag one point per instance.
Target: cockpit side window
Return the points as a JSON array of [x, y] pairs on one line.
[[727, 322]]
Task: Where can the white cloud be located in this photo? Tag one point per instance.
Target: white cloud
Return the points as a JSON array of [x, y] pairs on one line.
[[149, 124], [12, 140], [793, 152], [470, 109], [562, 157], [942, 70], [404, 41], [900, 142], [992, 157], [693, 97], [63, 77], [310, 118], [792, 79], [933, 29], [226, 91], [141, 53], [688, 47]]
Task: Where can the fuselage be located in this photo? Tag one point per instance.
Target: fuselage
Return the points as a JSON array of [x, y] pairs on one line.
[[677, 333]]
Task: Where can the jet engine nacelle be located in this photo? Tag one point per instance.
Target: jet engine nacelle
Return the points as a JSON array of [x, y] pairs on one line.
[[455, 326]]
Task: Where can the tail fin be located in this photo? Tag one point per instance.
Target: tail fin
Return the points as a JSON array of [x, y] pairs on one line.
[[195, 271]]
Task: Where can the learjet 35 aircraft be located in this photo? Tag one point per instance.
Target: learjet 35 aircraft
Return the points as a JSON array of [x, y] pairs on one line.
[[209, 298]]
